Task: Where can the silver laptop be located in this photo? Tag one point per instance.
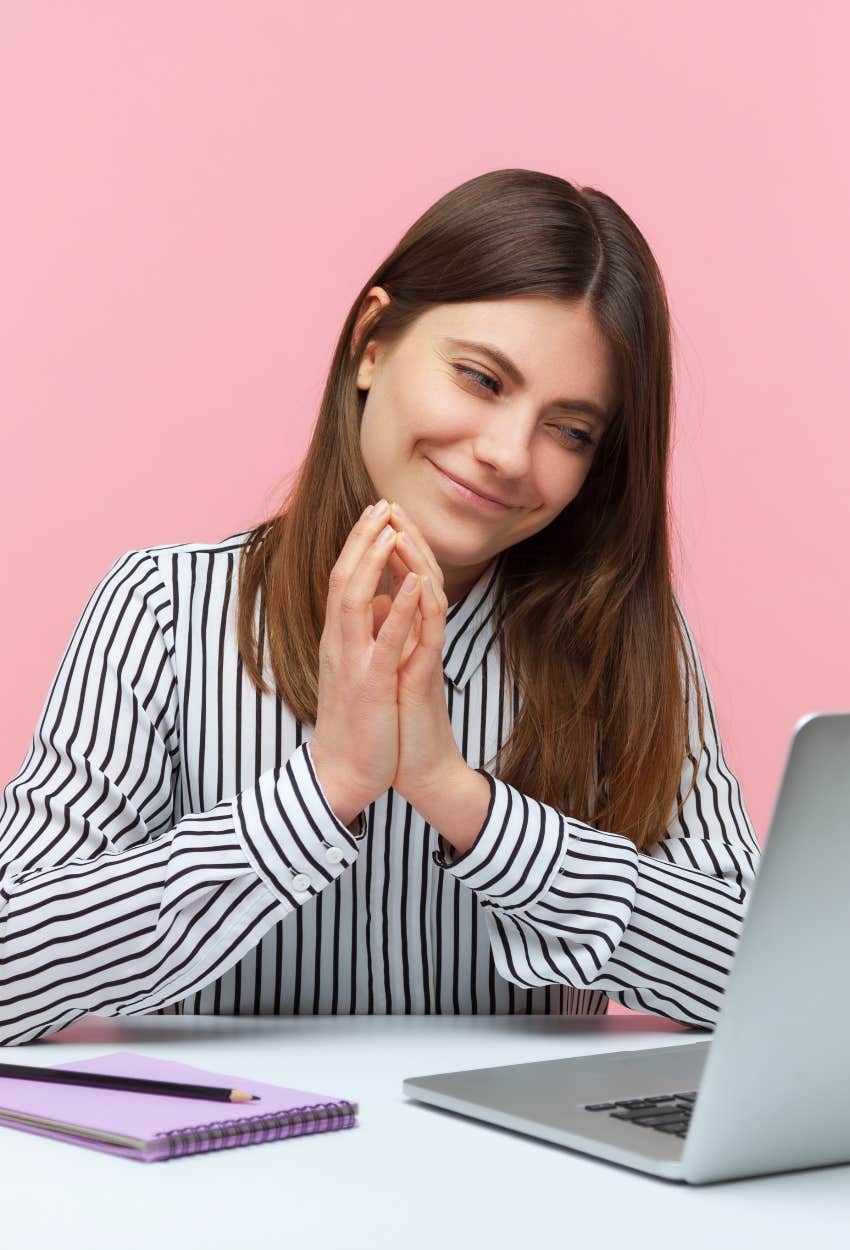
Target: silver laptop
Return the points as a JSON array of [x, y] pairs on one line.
[[769, 1091]]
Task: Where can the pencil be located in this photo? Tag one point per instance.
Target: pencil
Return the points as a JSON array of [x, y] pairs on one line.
[[104, 1080]]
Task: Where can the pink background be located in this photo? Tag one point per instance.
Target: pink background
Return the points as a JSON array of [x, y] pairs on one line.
[[193, 192]]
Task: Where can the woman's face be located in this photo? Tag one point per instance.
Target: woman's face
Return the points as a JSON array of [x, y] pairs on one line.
[[436, 404]]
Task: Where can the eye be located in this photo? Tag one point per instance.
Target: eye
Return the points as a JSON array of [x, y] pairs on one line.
[[569, 434], [480, 379], [576, 435]]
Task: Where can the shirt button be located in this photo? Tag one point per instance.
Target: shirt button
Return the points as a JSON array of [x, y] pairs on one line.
[[301, 882], [333, 854]]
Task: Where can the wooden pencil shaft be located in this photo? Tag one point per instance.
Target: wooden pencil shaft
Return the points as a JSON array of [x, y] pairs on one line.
[[105, 1080]]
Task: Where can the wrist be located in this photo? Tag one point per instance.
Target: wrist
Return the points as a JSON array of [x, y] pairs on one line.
[[342, 799], [458, 808]]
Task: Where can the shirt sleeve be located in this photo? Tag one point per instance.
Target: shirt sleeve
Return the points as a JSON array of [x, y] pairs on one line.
[[107, 903], [571, 904]]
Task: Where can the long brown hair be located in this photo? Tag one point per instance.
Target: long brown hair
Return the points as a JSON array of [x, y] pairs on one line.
[[589, 625]]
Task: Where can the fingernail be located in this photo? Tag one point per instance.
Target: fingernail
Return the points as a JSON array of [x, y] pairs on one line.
[[399, 511], [379, 508], [409, 583]]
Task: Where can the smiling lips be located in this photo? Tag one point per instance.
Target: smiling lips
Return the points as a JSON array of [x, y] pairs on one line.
[[477, 494]]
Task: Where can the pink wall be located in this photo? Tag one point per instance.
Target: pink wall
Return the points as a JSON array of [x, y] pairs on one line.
[[193, 193]]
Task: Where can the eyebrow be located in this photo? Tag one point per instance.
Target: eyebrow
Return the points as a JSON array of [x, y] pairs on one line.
[[513, 371]]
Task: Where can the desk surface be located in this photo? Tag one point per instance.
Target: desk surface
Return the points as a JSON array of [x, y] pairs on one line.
[[408, 1176]]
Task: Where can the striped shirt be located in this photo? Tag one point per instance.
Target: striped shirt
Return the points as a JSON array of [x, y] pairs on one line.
[[166, 845]]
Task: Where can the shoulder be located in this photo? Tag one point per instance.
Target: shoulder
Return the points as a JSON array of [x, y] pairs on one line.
[[686, 629], [170, 576], [173, 560], [163, 552]]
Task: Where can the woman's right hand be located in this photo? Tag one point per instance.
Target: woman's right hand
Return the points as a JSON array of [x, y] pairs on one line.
[[355, 743]]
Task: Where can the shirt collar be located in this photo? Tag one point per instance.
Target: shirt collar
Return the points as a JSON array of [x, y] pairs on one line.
[[470, 627]]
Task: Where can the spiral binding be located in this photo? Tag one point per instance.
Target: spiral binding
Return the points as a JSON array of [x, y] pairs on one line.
[[319, 1118]]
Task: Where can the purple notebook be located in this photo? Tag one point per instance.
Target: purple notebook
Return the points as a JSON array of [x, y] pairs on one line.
[[154, 1127]]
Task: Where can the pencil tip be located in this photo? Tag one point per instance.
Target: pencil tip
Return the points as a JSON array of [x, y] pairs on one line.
[[239, 1095]]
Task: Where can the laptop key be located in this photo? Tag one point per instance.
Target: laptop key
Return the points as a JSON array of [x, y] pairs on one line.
[[599, 1106], [637, 1113], [665, 1117]]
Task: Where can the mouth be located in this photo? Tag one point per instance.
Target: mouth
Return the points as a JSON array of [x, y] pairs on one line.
[[466, 494]]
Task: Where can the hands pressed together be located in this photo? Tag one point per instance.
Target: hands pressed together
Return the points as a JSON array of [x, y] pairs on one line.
[[382, 716]]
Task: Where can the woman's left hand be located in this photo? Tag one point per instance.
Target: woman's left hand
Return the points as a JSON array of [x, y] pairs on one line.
[[428, 753]]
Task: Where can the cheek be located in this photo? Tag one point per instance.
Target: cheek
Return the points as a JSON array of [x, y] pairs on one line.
[[379, 453], [369, 442], [437, 411], [408, 414], [559, 479]]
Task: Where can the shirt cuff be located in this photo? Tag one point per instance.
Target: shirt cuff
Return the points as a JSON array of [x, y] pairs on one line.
[[516, 853], [289, 832]]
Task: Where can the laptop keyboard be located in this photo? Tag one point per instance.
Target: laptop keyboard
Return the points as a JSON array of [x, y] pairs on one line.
[[668, 1113]]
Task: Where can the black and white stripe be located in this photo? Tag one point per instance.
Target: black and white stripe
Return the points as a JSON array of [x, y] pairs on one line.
[[166, 846]]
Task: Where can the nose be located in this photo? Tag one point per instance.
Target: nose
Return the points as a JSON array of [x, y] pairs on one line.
[[505, 443]]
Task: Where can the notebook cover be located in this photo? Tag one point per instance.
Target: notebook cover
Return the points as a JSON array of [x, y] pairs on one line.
[[158, 1120]]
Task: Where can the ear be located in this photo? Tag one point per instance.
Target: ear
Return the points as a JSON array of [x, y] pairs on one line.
[[374, 302]]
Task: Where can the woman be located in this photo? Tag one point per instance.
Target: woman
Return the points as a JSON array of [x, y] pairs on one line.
[[268, 780]]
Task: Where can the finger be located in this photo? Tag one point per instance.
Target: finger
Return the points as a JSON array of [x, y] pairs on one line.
[[432, 636], [408, 526], [381, 606], [362, 534], [394, 632], [404, 521], [399, 571], [390, 582], [411, 642], [417, 558], [351, 603], [414, 560], [432, 633]]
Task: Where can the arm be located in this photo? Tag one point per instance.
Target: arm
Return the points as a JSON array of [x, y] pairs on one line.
[[568, 903], [107, 904]]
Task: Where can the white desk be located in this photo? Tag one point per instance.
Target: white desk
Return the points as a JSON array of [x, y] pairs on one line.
[[408, 1175]]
